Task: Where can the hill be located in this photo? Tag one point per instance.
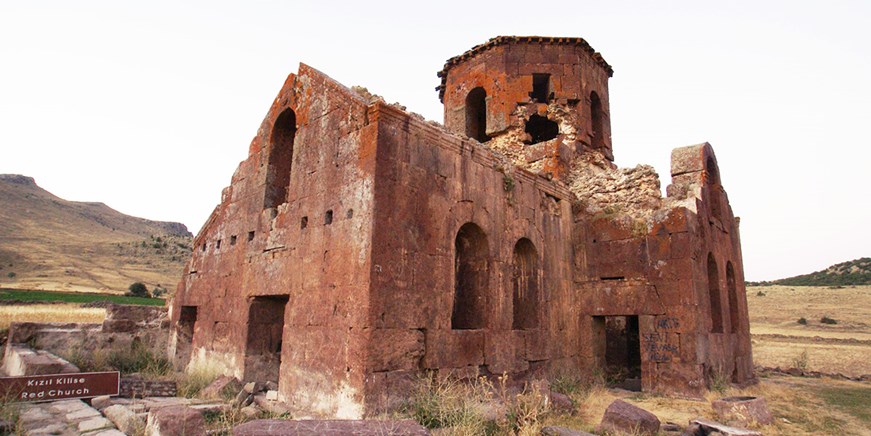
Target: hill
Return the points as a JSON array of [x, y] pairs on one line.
[[854, 272], [50, 243]]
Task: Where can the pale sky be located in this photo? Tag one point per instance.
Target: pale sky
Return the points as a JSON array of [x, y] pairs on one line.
[[149, 106]]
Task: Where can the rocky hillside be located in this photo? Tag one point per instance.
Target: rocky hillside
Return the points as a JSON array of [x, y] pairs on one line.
[[854, 272], [50, 243]]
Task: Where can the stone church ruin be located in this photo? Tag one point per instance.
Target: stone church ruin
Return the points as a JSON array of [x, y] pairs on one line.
[[359, 245]]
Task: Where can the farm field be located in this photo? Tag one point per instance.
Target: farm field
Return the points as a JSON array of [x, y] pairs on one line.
[[780, 340], [75, 297]]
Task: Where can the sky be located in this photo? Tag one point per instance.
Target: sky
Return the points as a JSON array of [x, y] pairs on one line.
[[150, 106]]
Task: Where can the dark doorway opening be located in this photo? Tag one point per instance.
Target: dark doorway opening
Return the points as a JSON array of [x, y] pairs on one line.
[[263, 346], [541, 129], [185, 335], [622, 350]]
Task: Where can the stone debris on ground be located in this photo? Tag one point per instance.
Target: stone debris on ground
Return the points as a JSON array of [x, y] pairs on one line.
[[172, 421], [554, 430], [65, 417], [221, 387], [706, 427], [621, 416], [743, 410], [329, 427]]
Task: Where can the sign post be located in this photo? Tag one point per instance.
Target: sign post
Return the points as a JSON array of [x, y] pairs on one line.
[[60, 386]]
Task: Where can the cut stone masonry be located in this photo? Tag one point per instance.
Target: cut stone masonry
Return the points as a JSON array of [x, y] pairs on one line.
[[378, 245]]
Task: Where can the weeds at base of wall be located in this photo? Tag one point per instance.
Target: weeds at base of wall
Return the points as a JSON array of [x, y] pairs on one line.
[[197, 376], [137, 358], [719, 380], [223, 422], [477, 407]]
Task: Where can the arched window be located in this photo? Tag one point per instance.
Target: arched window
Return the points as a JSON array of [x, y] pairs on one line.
[[526, 280], [714, 293], [733, 296], [713, 177], [598, 121], [470, 278], [476, 114], [280, 159]]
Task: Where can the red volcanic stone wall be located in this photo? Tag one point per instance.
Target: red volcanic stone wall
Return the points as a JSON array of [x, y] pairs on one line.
[[506, 74], [359, 245], [320, 270], [660, 273], [428, 185]]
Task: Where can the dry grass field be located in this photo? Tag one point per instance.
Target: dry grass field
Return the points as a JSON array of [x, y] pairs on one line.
[[780, 340], [799, 406], [63, 312]]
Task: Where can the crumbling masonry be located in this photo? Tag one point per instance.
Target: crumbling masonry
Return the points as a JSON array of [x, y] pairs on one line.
[[359, 245]]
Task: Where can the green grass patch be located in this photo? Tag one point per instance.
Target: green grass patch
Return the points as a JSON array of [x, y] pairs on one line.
[[852, 400], [76, 297]]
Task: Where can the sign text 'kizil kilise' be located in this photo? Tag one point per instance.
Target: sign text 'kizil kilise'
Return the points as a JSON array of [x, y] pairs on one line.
[[59, 386]]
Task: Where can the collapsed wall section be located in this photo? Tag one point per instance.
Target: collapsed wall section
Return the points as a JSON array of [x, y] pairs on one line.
[[665, 263], [279, 274]]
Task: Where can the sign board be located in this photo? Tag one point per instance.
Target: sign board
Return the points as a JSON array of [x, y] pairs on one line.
[[60, 386]]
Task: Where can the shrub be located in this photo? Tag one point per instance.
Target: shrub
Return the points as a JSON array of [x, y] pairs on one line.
[[138, 289], [11, 275], [826, 320], [802, 321], [450, 403], [801, 361], [719, 380], [760, 294], [158, 291], [197, 377], [524, 411]]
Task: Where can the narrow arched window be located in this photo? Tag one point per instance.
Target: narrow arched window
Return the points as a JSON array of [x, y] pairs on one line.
[[713, 177], [526, 281], [733, 296], [470, 278], [714, 293], [280, 159], [476, 114], [598, 121]]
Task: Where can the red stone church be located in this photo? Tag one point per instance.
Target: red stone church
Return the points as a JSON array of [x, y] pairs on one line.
[[359, 245]]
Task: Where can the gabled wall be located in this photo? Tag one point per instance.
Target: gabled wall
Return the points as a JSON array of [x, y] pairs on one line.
[[321, 271]]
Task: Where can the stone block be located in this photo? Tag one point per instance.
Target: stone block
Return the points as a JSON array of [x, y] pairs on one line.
[[92, 424], [622, 417], [223, 386], [453, 348], [709, 427], [125, 419], [173, 421], [743, 410], [396, 349]]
